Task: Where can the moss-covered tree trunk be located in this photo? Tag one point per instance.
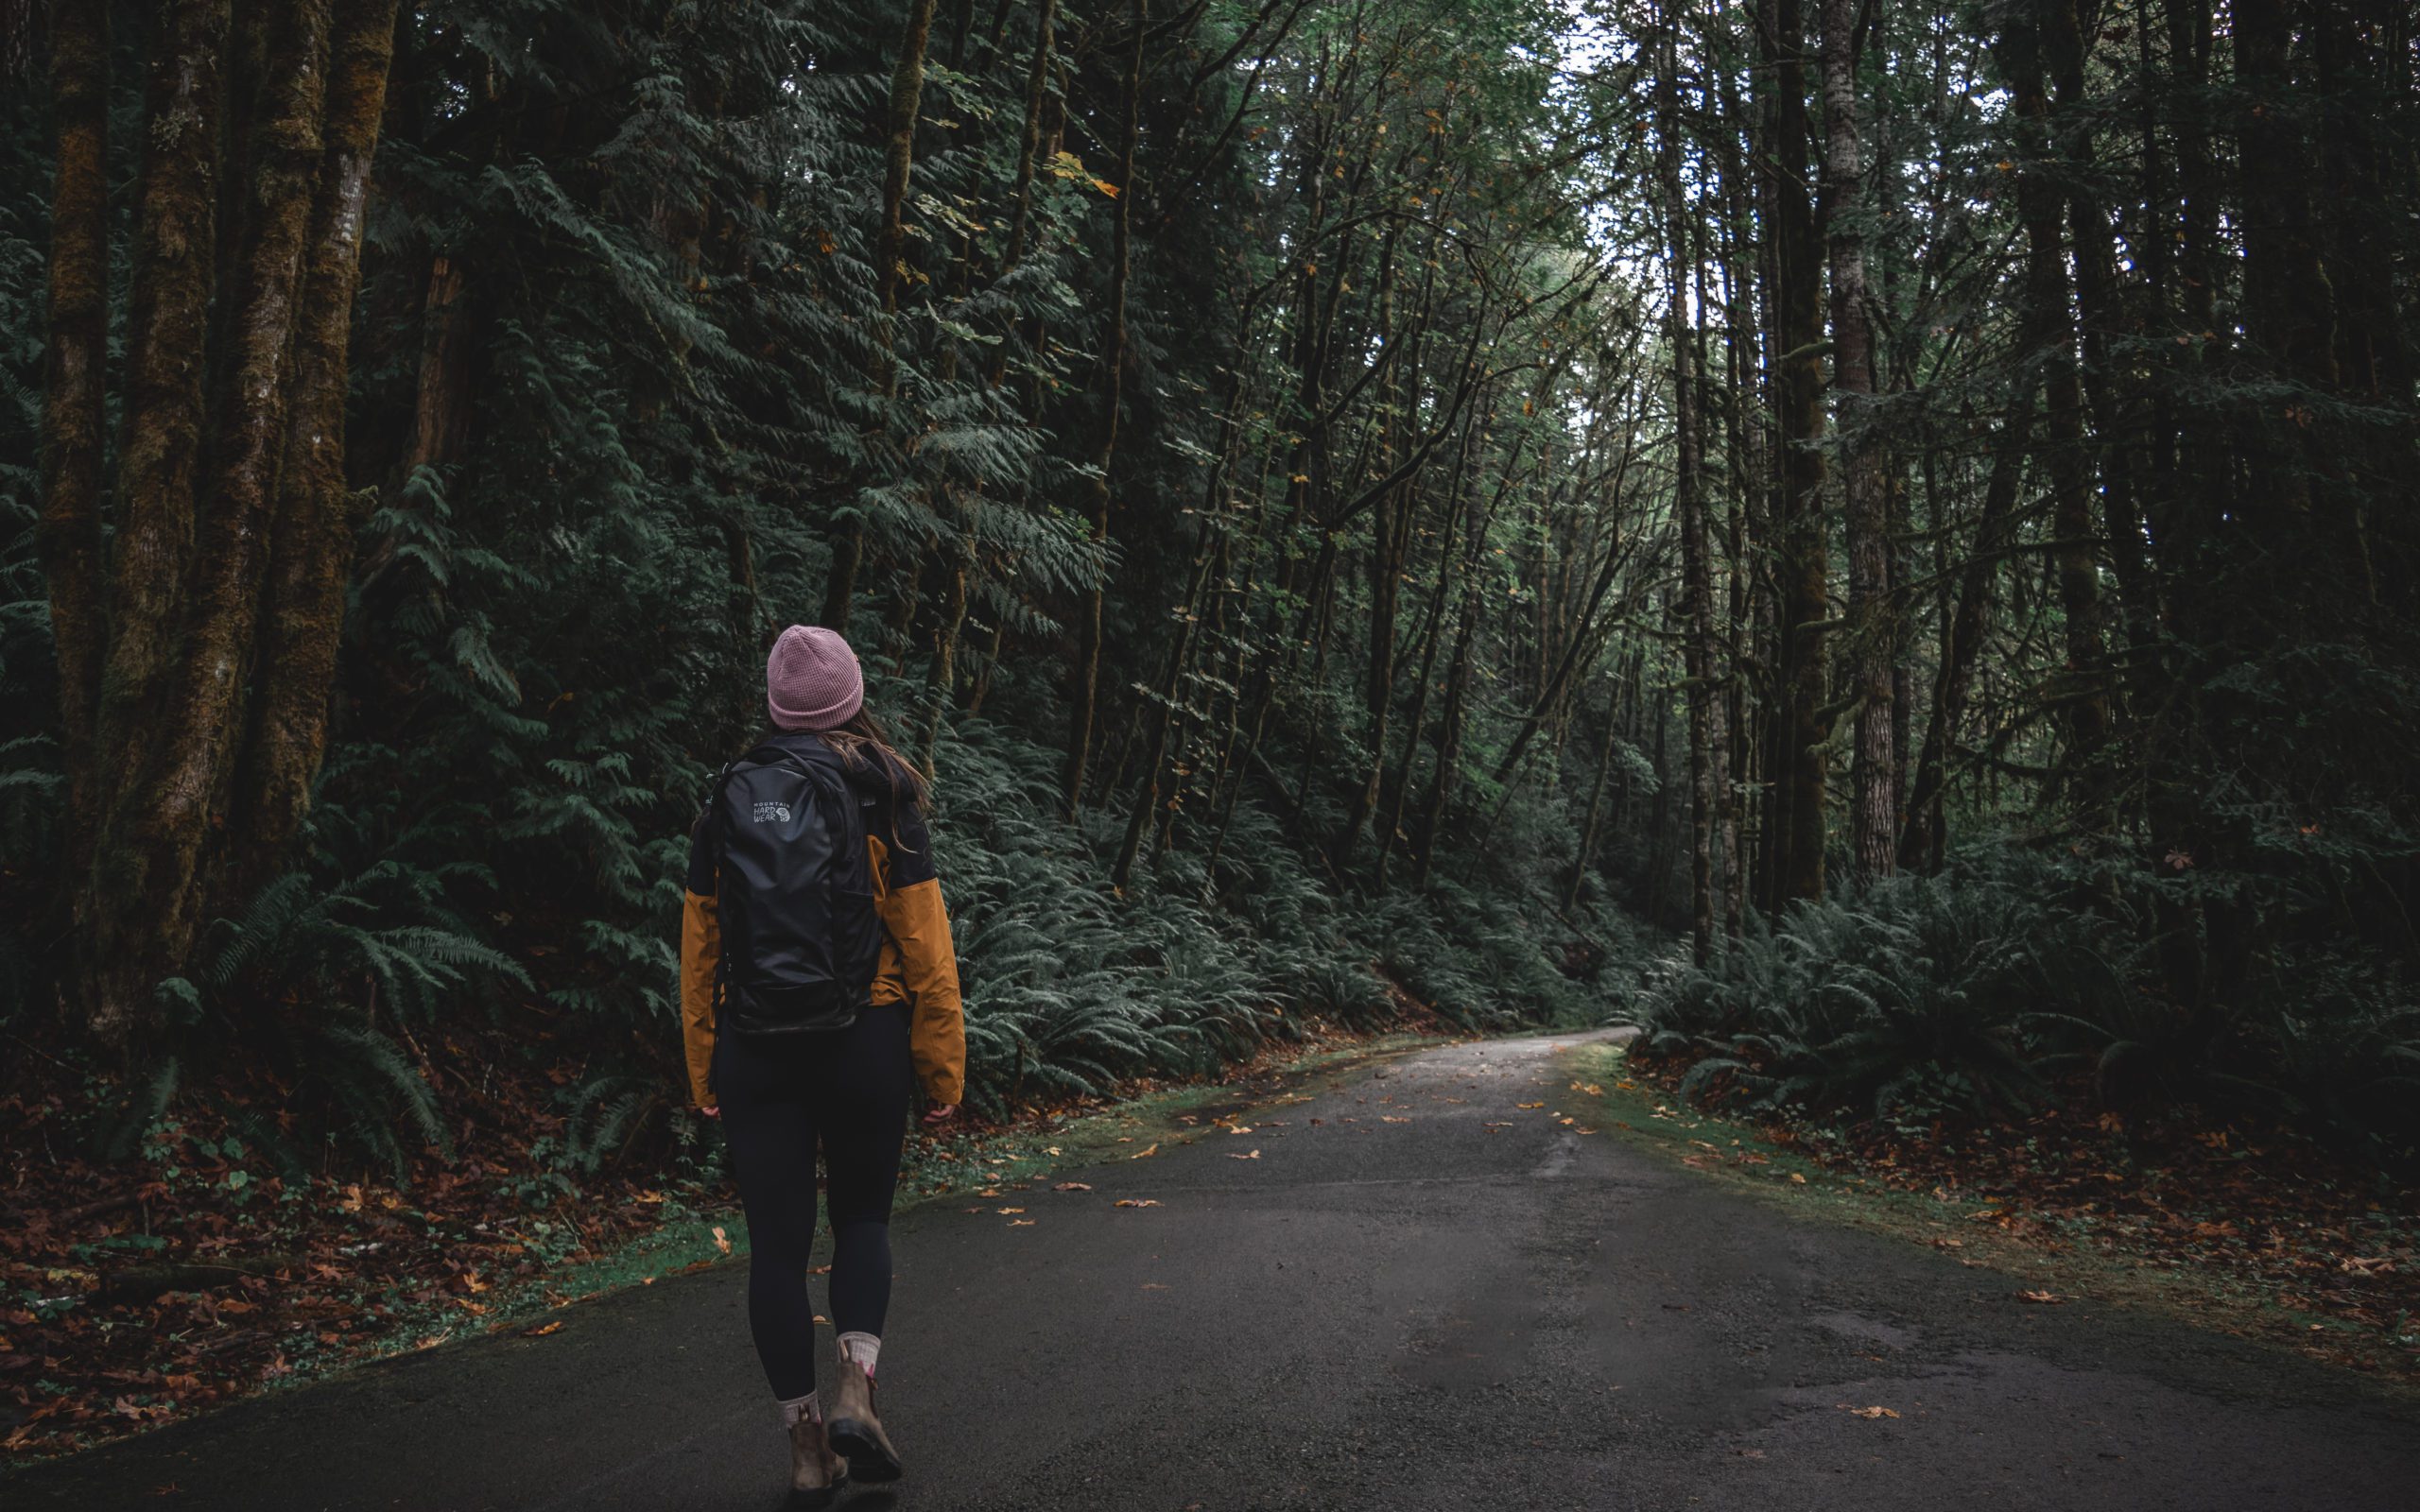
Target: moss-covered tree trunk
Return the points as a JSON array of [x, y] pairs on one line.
[[1794, 299], [1874, 826], [311, 531], [195, 667], [1698, 653], [74, 391], [159, 460]]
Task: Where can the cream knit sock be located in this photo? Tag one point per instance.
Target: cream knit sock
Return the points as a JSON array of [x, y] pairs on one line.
[[808, 1407], [862, 1348]]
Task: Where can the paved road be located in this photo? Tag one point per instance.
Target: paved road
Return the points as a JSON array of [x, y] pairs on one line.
[[1372, 1314]]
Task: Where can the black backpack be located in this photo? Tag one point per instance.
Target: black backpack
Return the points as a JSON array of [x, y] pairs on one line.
[[793, 894]]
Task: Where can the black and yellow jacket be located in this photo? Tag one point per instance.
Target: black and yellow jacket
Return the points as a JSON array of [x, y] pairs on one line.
[[918, 967]]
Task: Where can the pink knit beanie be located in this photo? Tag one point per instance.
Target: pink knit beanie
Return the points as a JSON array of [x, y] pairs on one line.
[[812, 680]]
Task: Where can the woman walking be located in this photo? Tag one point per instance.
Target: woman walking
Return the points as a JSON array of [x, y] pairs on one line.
[[818, 990]]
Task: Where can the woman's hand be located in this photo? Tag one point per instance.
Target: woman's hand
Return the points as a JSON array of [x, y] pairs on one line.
[[710, 1111], [936, 1117]]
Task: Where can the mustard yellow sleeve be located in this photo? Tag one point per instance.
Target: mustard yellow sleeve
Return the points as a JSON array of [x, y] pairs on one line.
[[701, 955], [929, 968]]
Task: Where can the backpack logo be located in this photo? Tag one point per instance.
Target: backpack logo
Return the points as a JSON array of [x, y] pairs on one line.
[[772, 814]]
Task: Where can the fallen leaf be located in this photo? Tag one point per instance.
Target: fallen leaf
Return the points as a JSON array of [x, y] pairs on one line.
[[1012, 1209], [722, 1241], [1390, 1118], [1152, 1148], [1137, 1202], [1020, 1223], [1073, 1186], [1529, 1104], [1050, 1149], [1797, 1177], [2040, 1297], [543, 1329], [1254, 1156], [1872, 1413]]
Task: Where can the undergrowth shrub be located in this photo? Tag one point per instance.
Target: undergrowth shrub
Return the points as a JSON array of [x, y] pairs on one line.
[[2011, 979]]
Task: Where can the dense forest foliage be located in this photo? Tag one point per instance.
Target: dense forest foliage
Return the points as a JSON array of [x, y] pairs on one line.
[[1877, 540]]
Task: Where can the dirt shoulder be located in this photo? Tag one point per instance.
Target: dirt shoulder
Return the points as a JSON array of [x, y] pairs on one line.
[[198, 1274], [2248, 1231]]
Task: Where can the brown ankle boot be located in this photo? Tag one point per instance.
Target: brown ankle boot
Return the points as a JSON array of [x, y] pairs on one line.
[[854, 1430], [816, 1475]]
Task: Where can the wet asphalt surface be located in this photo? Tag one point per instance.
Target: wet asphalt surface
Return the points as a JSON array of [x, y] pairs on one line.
[[1472, 1306]]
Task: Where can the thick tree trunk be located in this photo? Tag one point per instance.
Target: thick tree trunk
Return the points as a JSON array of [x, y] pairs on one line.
[[311, 538], [167, 325], [1874, 818], [1803, 571], [162, 830], [1698, 652], [74, 392]]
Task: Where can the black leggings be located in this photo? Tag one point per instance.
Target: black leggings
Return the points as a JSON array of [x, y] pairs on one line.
[[847, 1091]]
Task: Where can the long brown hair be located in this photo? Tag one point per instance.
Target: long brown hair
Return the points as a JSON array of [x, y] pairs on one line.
[[861, 744]]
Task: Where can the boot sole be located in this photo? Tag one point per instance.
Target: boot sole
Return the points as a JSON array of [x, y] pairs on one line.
[[868, 1460]]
